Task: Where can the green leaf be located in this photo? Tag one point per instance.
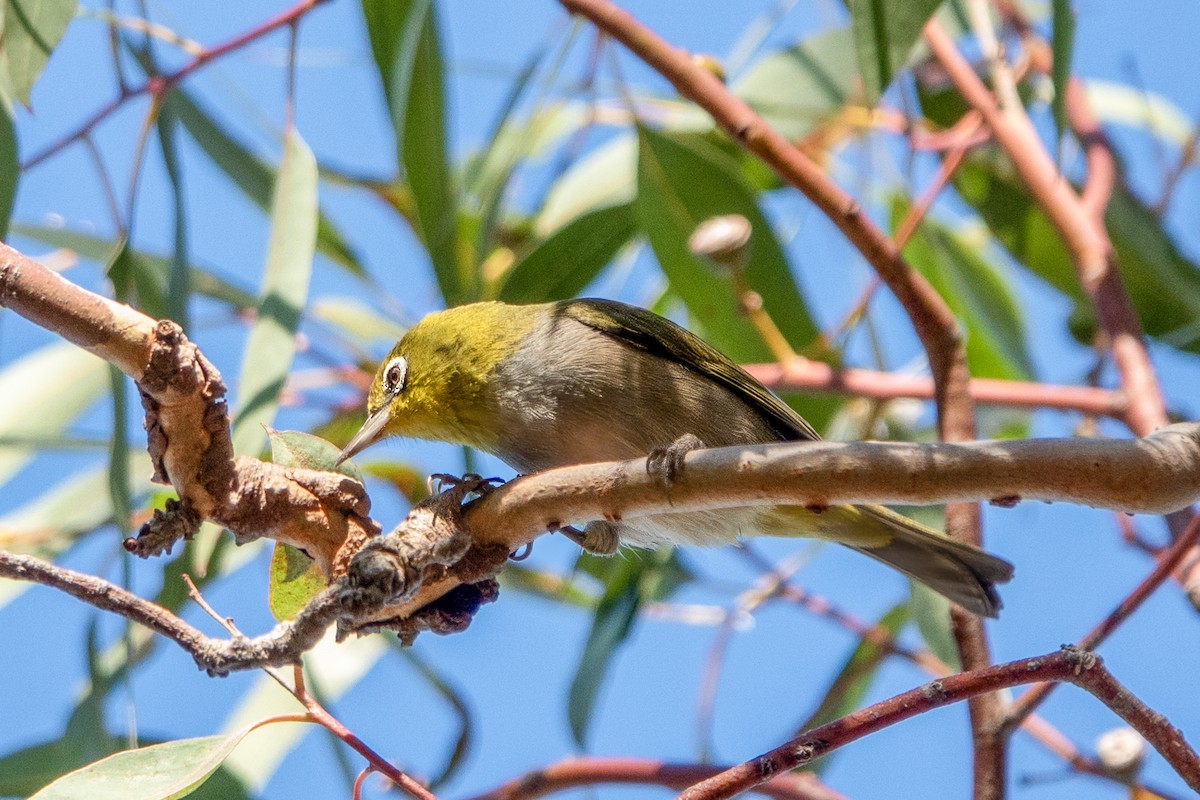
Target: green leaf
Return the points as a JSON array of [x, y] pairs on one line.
[[24, 771], [545, 584], [987, 182], [294, 580], [49, 523], [931, 612], [32, 28], [272, 341], [563, 264], [300, 449], [179, 286], [1163, 285], [798, 88], [1121, 104], [845, 694], [610, 627], [976, 291], [683, 180], [10, 170], [1062, 45], [158, 772], [605, 177], [633, 578], [404, 41], [155, 267], [254, 176], [884, 35], [294, 577], [43, 391]]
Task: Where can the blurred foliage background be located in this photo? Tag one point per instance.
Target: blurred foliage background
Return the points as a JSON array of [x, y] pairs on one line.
[[297, 202]]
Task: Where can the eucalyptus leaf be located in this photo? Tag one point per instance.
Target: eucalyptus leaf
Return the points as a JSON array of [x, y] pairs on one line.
[[158, 772], [635, 578], [254, 176], [605, 177], [850, 686], [682, 181], [355, 318], [32, 29], [1163, 284], [1062, 42], [884, 35], [10, 170], [571, 258], [272, 341], [408, 54], [43, 391], [157, 267], [931, 612], [955, 262], [799, 87]]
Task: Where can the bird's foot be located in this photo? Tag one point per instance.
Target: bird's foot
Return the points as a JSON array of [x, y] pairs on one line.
[[598, 538], [468, 484], [666, 463]]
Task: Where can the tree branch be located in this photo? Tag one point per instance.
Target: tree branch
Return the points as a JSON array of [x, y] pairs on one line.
[[808, 376], [187, 426], [1069, 665], [574, 772], [284, 645]]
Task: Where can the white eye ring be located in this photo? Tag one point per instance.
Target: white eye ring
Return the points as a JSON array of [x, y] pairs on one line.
[[394, 374]]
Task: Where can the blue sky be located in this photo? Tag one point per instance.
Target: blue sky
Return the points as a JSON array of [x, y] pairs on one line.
[[516, 661]]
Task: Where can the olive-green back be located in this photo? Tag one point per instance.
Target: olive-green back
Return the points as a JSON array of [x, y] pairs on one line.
[[657, 336]]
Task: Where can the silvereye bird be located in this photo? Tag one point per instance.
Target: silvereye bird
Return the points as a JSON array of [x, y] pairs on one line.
[[579, 381]]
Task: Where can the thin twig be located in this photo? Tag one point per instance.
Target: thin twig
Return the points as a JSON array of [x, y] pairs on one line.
[[159, 84], [805, 375]]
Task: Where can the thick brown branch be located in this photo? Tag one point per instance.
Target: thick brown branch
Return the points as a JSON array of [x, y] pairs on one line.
[[187, 428], [1069, 665]]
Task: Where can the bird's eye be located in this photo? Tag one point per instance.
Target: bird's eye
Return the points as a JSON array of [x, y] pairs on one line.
[[394, 374]]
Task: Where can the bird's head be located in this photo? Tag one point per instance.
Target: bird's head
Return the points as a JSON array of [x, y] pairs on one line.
[[435, 383]]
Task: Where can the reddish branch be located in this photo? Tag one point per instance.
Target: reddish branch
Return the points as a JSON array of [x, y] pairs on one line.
[[1069, 665], [805, 375], [1078, 222], [593, 771], [157, 85], [1169, 560]]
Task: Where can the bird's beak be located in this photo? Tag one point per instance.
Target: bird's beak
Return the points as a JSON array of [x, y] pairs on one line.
[[370, 432]]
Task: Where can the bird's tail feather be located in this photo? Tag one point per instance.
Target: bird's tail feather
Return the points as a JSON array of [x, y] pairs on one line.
[[963, 573]]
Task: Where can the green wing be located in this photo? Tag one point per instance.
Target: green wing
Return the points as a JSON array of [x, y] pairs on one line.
[[653, 334]]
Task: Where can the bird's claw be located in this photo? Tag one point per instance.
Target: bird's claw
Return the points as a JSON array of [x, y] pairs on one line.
[[598, 538], [666, 462], [467, 484]]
